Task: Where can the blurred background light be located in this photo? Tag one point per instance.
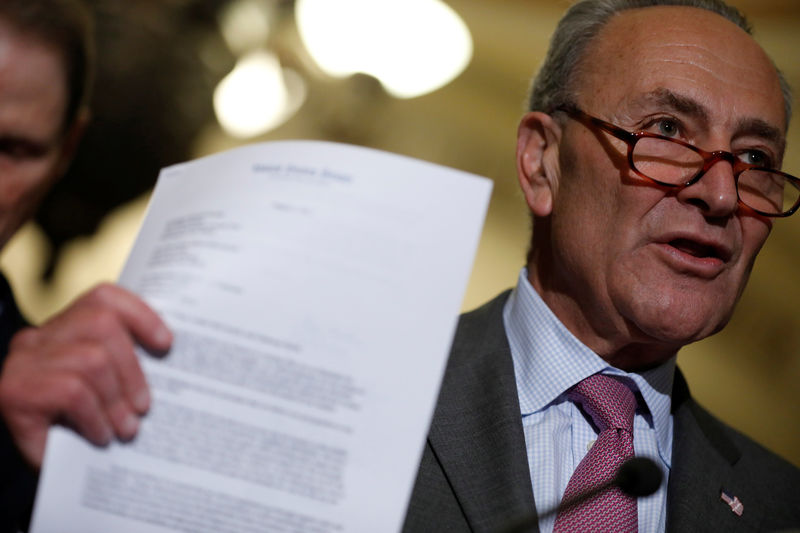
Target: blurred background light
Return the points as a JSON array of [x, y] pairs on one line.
[[412, 47], [257, 95], [245, 25]]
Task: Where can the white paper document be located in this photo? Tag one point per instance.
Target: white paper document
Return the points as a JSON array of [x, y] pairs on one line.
[[313, 289]]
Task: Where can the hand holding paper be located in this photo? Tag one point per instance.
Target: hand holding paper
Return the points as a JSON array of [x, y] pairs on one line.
[[313, 290], [80, 368]]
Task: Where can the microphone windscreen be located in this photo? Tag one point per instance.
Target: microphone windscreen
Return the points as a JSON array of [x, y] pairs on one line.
[[638, 476]]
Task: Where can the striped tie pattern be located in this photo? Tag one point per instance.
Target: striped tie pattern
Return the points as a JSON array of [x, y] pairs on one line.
[[611, 405]]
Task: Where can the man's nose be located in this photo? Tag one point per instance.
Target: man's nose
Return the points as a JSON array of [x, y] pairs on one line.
[[714, 193]]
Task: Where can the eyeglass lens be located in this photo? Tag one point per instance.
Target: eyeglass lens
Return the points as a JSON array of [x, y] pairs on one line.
[[674, 164]]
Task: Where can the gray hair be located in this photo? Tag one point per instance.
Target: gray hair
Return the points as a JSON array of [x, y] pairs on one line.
[[552, 86]]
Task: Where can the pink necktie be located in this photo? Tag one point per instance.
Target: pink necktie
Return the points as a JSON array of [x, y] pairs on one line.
[[611, 405]]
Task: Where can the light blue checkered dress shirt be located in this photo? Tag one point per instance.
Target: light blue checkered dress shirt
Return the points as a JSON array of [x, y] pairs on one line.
[[548, 360]]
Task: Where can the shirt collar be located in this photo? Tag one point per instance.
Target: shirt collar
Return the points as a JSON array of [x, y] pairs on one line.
[[548, 360]]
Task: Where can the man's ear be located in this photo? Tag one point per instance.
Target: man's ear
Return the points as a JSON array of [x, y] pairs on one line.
[[72, 138], [538, 170]]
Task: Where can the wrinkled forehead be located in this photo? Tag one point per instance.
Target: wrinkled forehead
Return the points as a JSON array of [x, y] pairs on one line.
[[690, 51]]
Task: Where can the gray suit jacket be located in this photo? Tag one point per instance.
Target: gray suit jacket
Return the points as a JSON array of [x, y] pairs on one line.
[[474, 471]]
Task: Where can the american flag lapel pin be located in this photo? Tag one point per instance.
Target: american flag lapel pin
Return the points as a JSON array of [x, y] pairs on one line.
[[733, 502]]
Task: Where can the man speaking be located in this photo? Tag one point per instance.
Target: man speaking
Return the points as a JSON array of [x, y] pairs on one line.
[[650, 162]]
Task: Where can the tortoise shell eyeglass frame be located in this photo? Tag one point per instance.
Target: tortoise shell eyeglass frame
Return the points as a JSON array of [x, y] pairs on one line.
[[709, 159]]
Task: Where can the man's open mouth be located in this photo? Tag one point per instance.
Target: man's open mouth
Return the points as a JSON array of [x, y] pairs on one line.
[[700, 250]]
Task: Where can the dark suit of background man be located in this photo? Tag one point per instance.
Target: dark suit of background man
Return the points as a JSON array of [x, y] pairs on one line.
[[78, 368], [622, 272]]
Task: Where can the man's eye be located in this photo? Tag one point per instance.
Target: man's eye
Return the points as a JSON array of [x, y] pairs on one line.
[[667, 127], [21, 149], [756, 158]]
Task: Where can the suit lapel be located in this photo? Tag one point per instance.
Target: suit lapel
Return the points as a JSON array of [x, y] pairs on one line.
[[476, 437], [476, 432], [703, 464]]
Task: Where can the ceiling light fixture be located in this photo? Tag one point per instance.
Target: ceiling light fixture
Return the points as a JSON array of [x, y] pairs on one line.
[[411, 46], [257, 95]]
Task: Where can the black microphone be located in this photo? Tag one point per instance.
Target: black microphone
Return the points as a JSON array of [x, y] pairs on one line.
[[637, 477]]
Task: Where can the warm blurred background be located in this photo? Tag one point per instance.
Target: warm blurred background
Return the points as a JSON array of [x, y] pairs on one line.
[[171, 72]]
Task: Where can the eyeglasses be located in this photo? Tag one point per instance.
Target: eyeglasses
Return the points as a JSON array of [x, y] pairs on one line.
[[675, 163]]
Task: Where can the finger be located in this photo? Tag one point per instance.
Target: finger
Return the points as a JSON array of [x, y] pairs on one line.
[[107, 364], [106, 359], [117, 305], [111, 315], [146, 326], [99, 369], [129, 379], [61, 397], [83, 410]]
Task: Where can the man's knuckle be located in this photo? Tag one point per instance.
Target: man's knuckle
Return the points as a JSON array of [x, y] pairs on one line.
[[94, 359], [102, 293], [11, 391], [103, 321], [29, 336], [76, 394]]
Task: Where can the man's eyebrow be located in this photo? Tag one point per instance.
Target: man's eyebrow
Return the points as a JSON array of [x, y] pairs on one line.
[[746, 126], [682, 104], [762, 129]]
